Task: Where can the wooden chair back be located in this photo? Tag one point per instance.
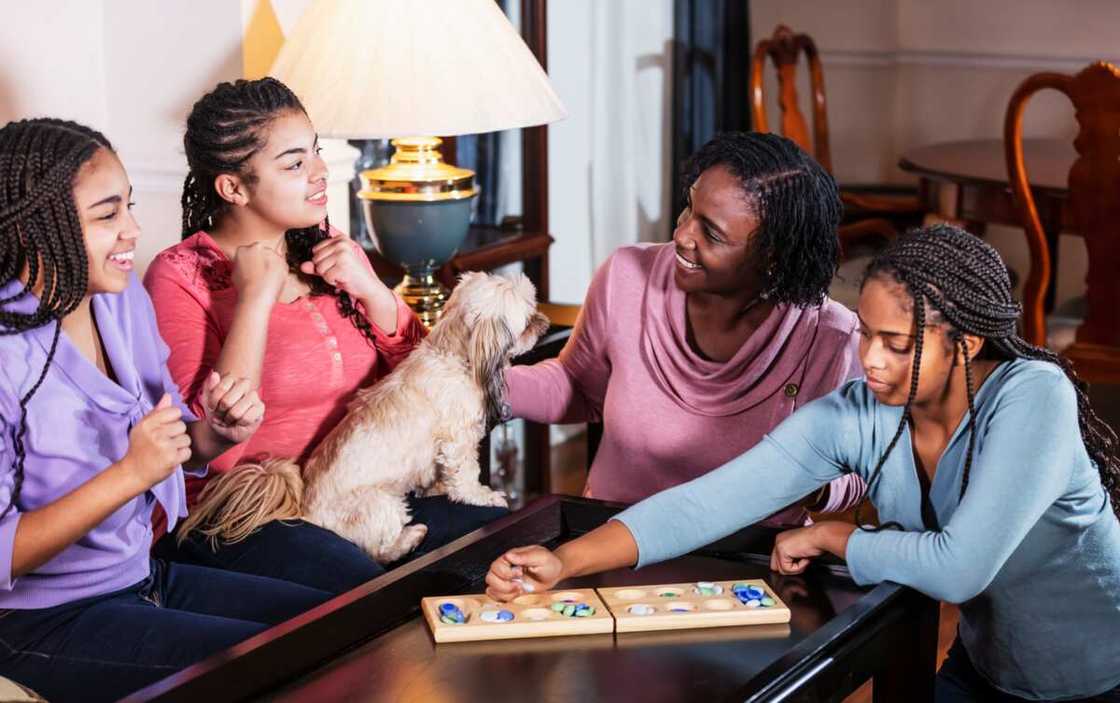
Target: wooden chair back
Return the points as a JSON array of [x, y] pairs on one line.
[[1094, 208], [785, 48]]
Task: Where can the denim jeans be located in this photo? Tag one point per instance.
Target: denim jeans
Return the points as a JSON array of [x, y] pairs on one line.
[[959, 682], [104, 647], [300, 552]]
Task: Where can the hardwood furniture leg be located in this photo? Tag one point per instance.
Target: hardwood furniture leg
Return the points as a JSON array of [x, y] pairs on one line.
[[911, 673]]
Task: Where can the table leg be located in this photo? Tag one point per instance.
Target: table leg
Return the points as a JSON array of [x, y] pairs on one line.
[[1052, 227], [910, 674], [538, 469]]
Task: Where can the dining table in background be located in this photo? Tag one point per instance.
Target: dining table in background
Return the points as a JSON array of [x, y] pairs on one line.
[[967, 181]]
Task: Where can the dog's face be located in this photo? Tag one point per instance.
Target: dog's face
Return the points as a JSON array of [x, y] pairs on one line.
[[491, 319], [501, 314]]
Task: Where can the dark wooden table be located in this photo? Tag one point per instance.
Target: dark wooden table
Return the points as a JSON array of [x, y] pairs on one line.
[[372, 644], [968, 181]]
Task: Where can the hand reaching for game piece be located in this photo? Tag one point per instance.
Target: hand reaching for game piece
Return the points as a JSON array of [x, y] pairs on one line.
[[522, 570]]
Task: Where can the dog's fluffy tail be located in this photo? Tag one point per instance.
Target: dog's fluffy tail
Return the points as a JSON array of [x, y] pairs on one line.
[[237, 503]]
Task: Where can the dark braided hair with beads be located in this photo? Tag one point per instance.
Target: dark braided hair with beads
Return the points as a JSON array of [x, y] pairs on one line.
[[225, 128], [956, 279], [797, 204], [41, 237]]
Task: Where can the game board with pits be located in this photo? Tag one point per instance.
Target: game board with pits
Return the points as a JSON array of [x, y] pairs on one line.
[[578, 611], [675, 606]]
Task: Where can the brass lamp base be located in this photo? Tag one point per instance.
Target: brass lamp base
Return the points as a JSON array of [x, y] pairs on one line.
[[418, 210], [425, 295]]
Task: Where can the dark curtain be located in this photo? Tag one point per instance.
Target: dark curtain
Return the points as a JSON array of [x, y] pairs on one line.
[[711, 65], [375, 153], [481, 153]]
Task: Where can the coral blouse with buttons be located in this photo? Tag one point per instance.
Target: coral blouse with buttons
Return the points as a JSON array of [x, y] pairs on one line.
[[314, 361]]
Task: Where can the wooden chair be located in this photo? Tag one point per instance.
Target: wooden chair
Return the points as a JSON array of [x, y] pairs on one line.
[[1094, 211], [784, 48]]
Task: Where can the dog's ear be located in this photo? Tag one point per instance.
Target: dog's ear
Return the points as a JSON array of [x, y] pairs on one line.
[[490, 340]]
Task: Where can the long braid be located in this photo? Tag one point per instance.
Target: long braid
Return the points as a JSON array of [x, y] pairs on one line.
[[966, 284], [970, 386], [41, 238], [225, 128]]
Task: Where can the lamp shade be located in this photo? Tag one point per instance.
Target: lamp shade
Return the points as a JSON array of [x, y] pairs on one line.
[[386, 68]]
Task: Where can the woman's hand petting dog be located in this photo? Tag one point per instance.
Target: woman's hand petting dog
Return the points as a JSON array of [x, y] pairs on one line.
[[233, 409]]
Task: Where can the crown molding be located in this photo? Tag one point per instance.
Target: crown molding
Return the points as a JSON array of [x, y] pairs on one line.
[[883, 58]]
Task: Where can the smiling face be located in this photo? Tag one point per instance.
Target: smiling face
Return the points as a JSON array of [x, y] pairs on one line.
[[102, 196], [288, 187], [714, 236], [886, 347]]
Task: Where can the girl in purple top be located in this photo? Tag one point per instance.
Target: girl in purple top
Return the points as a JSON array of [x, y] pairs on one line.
[[690, 352], [94, 434]]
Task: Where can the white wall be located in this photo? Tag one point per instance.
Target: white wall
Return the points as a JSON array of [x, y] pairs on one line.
[[132, 69], [51, 61], [609, 160]]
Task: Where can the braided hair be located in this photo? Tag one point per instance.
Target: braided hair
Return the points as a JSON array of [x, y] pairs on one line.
[[955, 278], [226, 127], [797, 204], [41, 233]]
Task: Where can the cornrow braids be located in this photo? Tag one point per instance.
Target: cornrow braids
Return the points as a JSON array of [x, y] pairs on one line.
[[797, 204], [225, 128], [965, 283], [40, 233]]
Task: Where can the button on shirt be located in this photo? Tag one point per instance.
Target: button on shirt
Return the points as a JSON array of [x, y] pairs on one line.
[[77, 426]]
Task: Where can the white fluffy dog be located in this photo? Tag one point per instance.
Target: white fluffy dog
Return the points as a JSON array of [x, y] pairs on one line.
[[417, 430]]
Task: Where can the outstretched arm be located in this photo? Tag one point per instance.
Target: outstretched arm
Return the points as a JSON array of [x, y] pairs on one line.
[[691, 515]]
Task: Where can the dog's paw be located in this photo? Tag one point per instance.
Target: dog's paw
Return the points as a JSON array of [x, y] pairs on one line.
[[410, 538], [486, 497]]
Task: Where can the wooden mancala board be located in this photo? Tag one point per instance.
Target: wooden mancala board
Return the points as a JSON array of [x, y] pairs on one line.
[[583, 611]]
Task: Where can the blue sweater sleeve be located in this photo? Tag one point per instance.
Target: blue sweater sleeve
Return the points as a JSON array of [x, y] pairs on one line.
[[1029, 450], [810, 448]]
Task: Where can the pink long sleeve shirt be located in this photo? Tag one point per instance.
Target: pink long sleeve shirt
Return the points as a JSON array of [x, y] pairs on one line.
[[314, 361], [670, 415]]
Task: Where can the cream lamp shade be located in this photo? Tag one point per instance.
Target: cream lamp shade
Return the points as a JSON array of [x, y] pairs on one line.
[[368, 69]]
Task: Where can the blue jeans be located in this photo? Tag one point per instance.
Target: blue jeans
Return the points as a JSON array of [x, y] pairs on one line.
[[297, 551], [104, 647], [959, 682]]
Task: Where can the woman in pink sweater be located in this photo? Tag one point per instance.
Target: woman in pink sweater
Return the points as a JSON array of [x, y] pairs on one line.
[[690, 352], [259, 291]]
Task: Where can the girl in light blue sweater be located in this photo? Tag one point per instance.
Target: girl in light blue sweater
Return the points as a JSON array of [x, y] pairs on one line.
[[992, 474]]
